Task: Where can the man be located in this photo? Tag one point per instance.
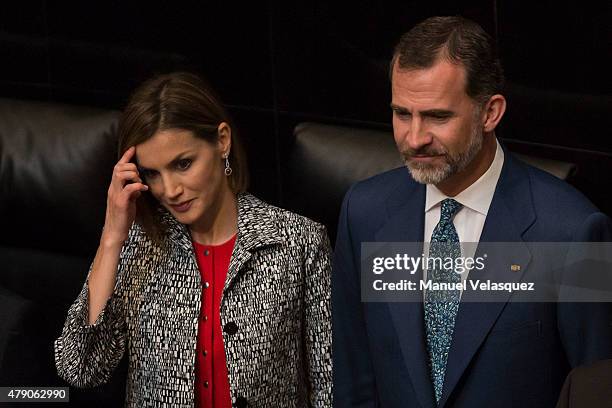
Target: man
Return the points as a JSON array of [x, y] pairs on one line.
[[461, 186]]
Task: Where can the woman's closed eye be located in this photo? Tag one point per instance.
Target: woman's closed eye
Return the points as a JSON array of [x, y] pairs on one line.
[[183, 164], [147, 173]]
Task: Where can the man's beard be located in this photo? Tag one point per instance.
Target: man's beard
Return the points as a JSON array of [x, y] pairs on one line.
[[436, 173]]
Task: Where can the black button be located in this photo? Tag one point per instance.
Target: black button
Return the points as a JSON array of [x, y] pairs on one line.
[[206, 252], [241, 402], [205, 384], [206, 285], [204, 352], [205, 318], [230, 328]]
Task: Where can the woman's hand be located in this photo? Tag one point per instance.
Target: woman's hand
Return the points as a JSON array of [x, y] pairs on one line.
[[125, 188]]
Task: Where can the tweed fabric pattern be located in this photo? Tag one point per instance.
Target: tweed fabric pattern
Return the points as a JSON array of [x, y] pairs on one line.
[[441, 305], [275, 316]]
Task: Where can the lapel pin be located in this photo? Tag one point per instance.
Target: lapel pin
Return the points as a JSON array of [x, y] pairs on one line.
[[515, 268]]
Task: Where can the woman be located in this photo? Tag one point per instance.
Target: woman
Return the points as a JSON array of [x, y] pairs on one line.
[[221, 300]]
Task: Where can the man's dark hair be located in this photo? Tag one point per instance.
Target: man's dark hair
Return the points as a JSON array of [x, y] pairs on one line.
[[458, 40]]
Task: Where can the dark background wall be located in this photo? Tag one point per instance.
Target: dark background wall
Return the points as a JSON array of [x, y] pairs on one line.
[[277, 63]]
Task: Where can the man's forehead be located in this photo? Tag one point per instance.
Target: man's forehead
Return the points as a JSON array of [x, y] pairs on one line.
[[442, 76], [438, 86]]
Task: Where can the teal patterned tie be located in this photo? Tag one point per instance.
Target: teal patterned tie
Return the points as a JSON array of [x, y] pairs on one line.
[[441, 306]]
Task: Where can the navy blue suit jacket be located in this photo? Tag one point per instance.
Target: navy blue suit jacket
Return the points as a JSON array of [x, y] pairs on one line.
[[503, 354]]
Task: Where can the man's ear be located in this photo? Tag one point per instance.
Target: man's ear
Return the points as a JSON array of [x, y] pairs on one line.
[[493, 112], [224, 131]]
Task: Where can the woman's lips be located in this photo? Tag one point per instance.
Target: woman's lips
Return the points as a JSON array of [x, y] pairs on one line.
[[182, 207]]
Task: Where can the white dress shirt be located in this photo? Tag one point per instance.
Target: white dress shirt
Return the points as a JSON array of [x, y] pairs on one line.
[[470, 219]]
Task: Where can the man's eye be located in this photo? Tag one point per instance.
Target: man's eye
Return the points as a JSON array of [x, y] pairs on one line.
[[403, 115], [441, 119], [183, 164]]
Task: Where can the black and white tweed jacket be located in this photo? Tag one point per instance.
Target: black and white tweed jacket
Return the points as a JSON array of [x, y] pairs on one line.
[[275, 315]]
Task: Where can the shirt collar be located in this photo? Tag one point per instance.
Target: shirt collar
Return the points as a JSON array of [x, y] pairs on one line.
[[477, 196]]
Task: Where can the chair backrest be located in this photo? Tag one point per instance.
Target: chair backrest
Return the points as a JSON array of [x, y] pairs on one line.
[[55, 165], [327, 159]]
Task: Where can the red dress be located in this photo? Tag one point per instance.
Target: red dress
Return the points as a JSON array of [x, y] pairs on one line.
[[212, 388]]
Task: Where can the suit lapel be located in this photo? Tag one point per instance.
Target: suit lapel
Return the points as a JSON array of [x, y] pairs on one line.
[[510, 215], [405, 223]]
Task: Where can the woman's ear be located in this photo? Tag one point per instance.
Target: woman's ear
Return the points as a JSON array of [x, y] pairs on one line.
[[224, 131], [494, 111]]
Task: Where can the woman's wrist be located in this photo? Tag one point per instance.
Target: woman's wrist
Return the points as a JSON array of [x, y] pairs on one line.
[[111, 242]]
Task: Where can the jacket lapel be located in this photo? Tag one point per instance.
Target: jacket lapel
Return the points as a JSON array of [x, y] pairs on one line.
[[179, 239], [405, 223], [257, 228], [510, 215]]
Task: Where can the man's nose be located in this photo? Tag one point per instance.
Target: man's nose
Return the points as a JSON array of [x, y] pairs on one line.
[[417, 135]]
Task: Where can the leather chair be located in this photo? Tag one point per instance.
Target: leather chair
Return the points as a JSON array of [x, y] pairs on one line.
[[589, 385], [55, 164], [326, 159]]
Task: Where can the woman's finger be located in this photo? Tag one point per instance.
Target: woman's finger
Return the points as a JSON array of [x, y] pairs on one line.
[[125, 166], [127, 156], [128, 175], [123, 199], [134, 187]]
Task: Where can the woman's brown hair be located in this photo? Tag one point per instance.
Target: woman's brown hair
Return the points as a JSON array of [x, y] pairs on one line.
[[179, 100]]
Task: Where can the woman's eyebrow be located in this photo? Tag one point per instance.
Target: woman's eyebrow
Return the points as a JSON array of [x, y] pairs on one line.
[[172, 162]]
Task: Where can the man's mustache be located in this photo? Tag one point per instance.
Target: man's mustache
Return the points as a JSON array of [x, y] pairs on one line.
[[408, 153]]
